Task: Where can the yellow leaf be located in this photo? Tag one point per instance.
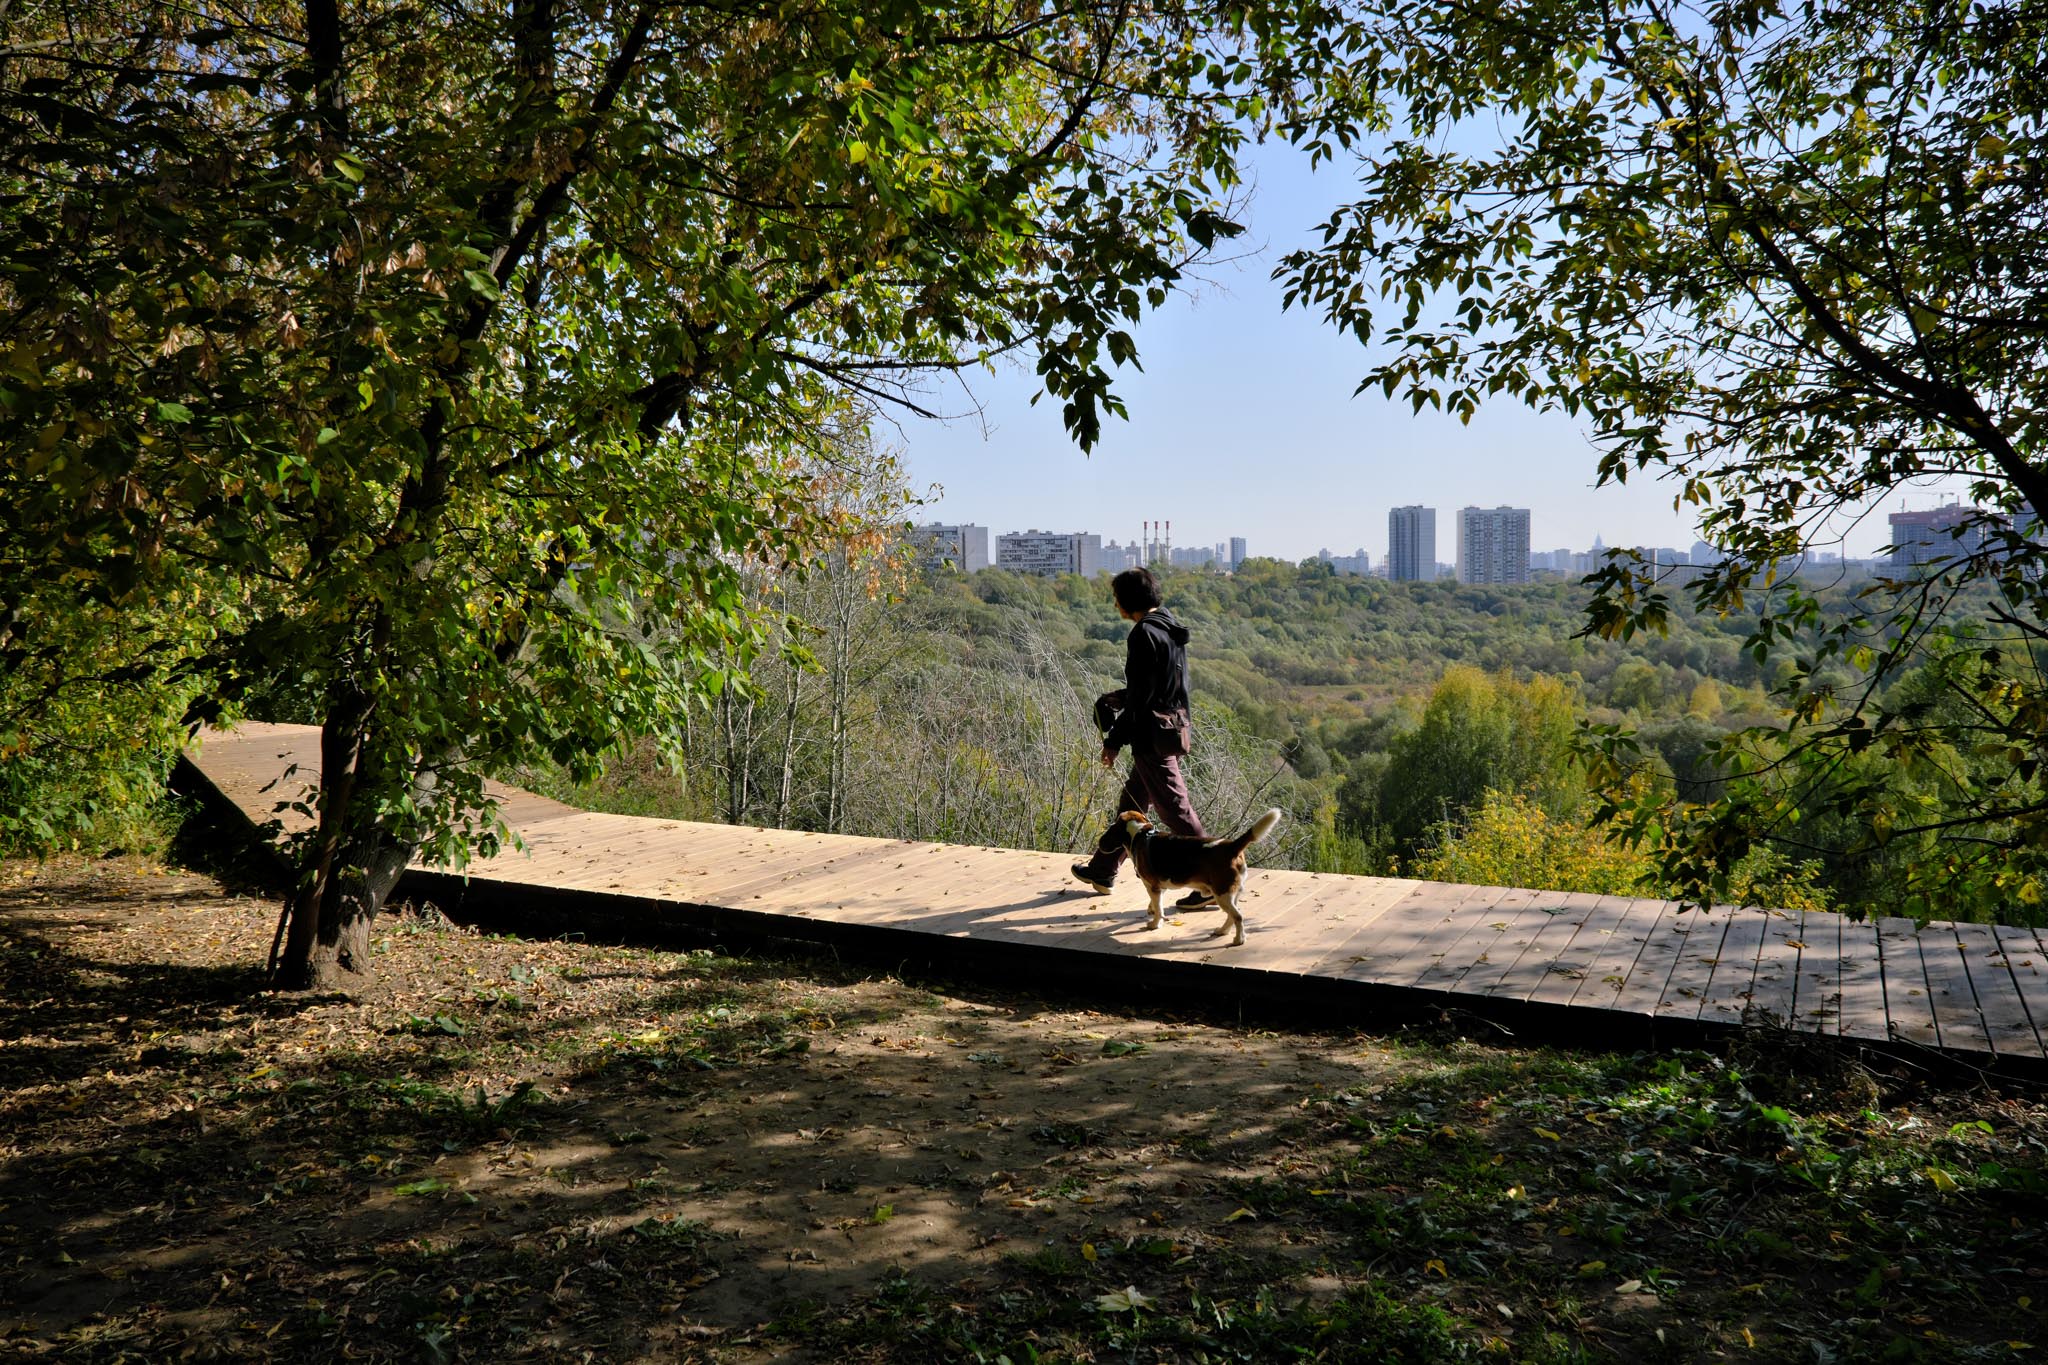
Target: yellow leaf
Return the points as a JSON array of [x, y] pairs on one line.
[[1943, 1181], [1591, 1268], [1241, 1213], [1436, 1267], [1749, 1338], [1546, 1133], [1088, 1251]]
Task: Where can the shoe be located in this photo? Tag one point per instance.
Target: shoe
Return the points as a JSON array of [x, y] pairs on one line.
[[1195, 900], [1101, 882]]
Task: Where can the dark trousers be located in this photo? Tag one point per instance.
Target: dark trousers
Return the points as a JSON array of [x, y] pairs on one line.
[[1155, 783]]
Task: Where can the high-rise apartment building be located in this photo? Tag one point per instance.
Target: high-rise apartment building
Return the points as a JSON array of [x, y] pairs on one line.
[[1050, 552], [1934, 535], [963, 547], [1493, 545], [1236, 553], [1411, 544]]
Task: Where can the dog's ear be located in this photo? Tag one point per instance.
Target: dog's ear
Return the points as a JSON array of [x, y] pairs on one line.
[[1130, 815], [1134, 825]]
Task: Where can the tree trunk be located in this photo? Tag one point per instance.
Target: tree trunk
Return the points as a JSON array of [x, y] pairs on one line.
[[835, 778], [349, 870], [341, 952], [789, 715], [739, 756]]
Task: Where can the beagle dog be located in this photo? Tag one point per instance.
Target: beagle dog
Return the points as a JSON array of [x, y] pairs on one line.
[[1175, 860]]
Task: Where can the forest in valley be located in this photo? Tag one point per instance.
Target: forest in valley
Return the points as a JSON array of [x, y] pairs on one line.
[[1437, 730]]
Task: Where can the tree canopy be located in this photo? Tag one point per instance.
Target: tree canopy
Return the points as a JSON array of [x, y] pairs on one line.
[[1788, 257], [429, 372]]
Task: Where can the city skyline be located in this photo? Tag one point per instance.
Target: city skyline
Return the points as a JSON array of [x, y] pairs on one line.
[[1246, 420], [972, 545]]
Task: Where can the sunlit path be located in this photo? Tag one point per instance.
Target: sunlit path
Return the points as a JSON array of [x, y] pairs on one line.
[[1595, 963]]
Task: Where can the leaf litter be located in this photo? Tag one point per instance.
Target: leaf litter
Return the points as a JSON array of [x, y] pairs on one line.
[[502, 1149]]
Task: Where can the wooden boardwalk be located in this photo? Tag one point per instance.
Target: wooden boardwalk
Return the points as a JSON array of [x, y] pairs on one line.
[[1614, 966]]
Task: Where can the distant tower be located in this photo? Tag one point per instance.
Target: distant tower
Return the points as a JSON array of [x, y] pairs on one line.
[[1411, 544], [1493, 545]]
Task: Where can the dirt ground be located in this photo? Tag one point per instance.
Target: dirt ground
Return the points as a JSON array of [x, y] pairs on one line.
[[877, 1128], [500, 1148]]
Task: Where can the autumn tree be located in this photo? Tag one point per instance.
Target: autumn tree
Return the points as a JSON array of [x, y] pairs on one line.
[[437, 366], [1788, 258]]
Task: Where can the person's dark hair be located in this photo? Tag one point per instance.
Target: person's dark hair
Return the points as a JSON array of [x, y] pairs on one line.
[[1135, 589]]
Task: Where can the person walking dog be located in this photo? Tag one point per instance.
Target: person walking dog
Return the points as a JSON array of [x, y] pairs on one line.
[[1149, 715]]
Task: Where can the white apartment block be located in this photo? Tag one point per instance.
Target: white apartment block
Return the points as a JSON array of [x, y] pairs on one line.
[[1050, 552], [1493, 545], [1236, 553], [963, 547], [1411, 544]]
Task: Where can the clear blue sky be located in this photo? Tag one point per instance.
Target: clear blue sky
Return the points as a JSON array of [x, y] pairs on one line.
[[1244, 424]]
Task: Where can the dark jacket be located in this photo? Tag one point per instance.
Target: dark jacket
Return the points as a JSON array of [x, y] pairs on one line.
[[1153, 714]]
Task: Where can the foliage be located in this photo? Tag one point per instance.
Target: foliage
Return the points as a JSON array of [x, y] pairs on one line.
[[85, 744], [1478, 734], [967, 723], [1510, 840], [433, 370], [1787, 257]]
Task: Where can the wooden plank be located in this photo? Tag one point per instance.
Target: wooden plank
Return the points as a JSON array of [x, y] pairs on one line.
[[1695, 961], [1817, 1001], [1427, 949], [1862, 1012], [1289, 918], [1773, 992], [1724, 994], [1956, 1016], [1338, 910], [1524, 950], [1392, 936], [751, 873], [2006, 1021], [2028, 963], [1608, 971], [966, 892], [1476, 938], [1906, 1003], [1602, 918], [775, 885], [1662, 946], [618, 853], [983, 894], [1568, 915], [1390, 896]]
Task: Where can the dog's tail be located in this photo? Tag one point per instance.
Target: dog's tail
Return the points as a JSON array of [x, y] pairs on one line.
[[1260, 828]]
